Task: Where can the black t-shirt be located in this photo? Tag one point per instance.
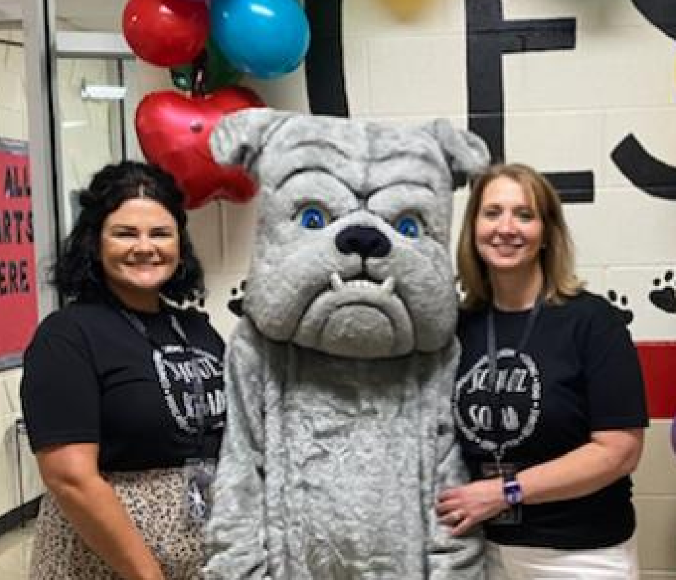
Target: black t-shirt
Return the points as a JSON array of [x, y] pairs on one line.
[[90, 376], [578, 373]]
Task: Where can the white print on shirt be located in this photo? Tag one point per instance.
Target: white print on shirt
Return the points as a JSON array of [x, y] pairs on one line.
[[215, 404], [207, 364], [176, 369], [499, 418]]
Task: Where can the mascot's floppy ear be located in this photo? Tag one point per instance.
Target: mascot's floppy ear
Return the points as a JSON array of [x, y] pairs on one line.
[[237, 139], [466, 154]]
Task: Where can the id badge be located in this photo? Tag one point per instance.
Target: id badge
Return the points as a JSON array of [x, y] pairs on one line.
[[198, 475], [512, 515]]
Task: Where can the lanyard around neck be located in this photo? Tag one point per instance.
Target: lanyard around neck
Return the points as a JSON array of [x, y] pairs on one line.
[[491, 344], [491, 338], [196, 383]]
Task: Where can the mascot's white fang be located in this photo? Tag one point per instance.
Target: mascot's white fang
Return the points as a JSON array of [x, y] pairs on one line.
[[340, 432]]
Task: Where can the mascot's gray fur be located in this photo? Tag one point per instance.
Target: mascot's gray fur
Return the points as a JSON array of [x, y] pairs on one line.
[[340, 431]]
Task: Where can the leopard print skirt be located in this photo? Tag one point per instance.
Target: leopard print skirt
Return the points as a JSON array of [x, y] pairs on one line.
[[154, 500]]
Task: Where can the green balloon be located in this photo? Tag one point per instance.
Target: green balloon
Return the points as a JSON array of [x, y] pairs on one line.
[[181, 76], [218, 72]]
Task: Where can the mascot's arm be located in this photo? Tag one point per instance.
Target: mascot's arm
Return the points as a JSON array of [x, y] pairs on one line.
[[457, 557], [235, 535]]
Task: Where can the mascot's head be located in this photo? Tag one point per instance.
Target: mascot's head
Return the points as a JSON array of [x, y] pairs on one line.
[[351, 254]]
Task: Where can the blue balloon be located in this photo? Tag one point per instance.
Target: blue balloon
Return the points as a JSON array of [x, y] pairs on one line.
[[265, 38]]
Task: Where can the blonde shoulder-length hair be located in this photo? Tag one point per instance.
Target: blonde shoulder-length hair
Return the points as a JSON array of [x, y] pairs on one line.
[[557, 253]]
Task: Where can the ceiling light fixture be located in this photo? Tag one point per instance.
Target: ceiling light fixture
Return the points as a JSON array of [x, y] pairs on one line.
[[102, 92]]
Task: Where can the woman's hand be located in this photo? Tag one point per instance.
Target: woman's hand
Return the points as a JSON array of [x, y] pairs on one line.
[[607, 457], [465, 506]]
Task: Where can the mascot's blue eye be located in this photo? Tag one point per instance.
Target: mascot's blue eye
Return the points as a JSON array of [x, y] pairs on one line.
[[313, 218], [408, 226]]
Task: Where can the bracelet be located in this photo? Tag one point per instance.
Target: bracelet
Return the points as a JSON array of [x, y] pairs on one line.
[[512, 489]]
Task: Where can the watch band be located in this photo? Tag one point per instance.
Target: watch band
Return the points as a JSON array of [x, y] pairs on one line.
[[512, 489]]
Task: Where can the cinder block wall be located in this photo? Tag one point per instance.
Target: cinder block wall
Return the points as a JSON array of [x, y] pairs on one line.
[[568, 109]]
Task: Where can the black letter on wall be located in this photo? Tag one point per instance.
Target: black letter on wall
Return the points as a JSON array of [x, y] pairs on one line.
[[647, 173], [489, 36], [661, 13], [324, 72]]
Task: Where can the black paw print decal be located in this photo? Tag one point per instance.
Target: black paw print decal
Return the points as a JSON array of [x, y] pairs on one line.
[[621, 305], [664, 294], [236, 297]]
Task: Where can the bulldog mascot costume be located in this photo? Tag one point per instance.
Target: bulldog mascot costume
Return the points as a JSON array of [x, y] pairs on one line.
[[339, 432]]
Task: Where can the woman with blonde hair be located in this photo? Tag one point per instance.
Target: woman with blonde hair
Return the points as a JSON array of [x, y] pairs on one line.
[[549, 401]]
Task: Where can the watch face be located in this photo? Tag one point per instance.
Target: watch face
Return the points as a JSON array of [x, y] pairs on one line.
[[512, 491]]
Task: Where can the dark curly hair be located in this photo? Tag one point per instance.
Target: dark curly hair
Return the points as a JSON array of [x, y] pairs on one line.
[[78, 273]]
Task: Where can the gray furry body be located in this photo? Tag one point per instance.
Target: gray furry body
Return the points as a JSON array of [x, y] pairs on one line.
[[341, 371]]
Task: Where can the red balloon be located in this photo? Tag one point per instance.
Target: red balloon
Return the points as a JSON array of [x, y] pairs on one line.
[[166, 32], [173, 131]]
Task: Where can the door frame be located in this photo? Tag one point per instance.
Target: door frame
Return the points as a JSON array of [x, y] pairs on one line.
[[43, 45]]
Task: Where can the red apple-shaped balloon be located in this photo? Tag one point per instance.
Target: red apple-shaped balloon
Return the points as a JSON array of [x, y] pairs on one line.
[[166, 32], [173, 131]]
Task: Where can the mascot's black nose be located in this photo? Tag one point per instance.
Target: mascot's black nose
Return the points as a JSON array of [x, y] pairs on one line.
[[366, 241]]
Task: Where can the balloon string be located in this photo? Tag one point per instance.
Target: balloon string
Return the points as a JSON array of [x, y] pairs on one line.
[[199, 74]]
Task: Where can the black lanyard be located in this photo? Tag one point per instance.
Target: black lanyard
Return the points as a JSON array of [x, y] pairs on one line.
[[491, 344], [196, 383]]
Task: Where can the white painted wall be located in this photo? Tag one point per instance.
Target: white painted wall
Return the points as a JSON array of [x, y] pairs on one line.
[[565, 110]]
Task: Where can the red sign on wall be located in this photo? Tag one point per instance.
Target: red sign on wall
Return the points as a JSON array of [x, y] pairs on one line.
[[18, 291], [658, 360]]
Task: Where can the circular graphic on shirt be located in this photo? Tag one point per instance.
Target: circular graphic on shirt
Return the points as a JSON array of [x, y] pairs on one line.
[[501, 416], [192, 385]]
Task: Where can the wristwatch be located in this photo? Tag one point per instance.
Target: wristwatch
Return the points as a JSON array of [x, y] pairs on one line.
[[512, 489]]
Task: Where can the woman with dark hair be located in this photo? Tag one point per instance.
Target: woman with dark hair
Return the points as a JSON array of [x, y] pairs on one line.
[[549, 401], [122, 390]]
